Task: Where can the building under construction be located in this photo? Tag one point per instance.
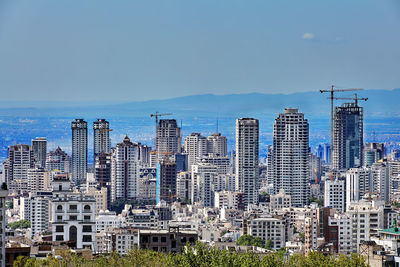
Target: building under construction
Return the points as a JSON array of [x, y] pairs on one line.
[[348, 136]]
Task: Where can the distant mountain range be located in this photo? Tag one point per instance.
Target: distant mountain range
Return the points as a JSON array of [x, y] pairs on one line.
[[381, 103]]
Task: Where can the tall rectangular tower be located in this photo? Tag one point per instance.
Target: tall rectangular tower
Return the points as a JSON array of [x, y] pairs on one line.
[[195, 147], [39, 147], [290, 156], [168, 137], [125, 171], [348, 137], [101, 137], [79, 150], [246, 161]]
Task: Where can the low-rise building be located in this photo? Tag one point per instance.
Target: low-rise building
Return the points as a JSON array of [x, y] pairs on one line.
[[171, 240], [280, 200]]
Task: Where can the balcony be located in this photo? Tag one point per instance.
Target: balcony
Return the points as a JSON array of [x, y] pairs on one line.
[[73, 211], [87, 211]]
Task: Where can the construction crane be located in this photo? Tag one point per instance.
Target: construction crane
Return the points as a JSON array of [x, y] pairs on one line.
[[332, 92], [355, 98], [156, 115]]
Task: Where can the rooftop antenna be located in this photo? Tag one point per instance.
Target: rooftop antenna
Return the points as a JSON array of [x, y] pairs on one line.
[[217, 125]]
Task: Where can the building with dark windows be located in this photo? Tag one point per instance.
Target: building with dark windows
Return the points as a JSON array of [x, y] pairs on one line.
[[348, 137], [79, 150]]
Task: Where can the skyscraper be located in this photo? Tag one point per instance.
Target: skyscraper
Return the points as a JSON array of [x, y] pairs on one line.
[[195, 147], [79, 150], [348, 136], [125, 171], [39, 147], [19, 161], [246, 161], [290, 156], [217, 144], [165, 181], [101, 137], [168, 137]]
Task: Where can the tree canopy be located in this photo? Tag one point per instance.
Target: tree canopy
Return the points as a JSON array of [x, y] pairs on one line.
[[197, 256], [22, 224]]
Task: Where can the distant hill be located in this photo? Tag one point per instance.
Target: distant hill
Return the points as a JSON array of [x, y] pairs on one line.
[[381, 103]]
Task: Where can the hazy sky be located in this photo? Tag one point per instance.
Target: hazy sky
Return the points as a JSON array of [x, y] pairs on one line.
[[97, 50]]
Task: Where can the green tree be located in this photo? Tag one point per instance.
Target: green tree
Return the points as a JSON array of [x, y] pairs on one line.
[[268, 244], [22, 224]]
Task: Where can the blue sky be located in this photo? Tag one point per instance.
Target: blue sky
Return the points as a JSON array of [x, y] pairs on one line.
[[99, 51]]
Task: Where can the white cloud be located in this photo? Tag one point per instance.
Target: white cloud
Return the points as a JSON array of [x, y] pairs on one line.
[[308, 36]]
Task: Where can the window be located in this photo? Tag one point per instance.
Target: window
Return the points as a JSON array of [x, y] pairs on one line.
[[155, 239], [73, 207], [59, 208], [59, 238], [87, 238], [59, 229], [87, 229], [163, 239]]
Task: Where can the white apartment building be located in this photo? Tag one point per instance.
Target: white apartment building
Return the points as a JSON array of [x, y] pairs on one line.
[[72, 215], [217, 144], [269, 228], [106, 220], [344, 231], [311, 232], [358, 183], [195, 146], [100, 196], [380, 175], [229, 200], [221, 162], [38, 180], [203, 177], [40, 213], [290, 156], [125, 171], [367, 219], [335, 194], [147, 182], [280, 201], [121, 240]]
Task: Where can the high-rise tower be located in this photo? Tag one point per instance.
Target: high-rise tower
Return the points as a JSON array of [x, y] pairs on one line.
[[348, 136], [246, 161], [125, 171], [195, 147], [217, 144], [168, 137], [101, 137], [290, 156], [39, 147], [79, 150]]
